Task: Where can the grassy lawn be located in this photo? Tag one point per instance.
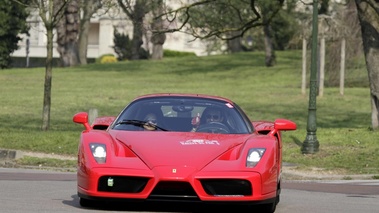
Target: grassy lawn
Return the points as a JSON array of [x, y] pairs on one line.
[[346, 142]]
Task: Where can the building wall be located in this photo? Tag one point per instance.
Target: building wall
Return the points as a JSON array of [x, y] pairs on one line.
[[100, 38]]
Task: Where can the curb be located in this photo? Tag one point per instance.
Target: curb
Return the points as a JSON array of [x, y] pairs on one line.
[[10, 154], [290, 173]]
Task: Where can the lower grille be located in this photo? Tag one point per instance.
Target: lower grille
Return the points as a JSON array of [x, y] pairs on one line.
[[123, 184], [227, 187], [173, 190]]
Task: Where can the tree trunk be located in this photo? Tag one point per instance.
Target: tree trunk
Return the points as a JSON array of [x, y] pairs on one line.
[[269, 47], [83, 37], [89, 7], [369, 20], [235, 45], [50, 14], [342, 66], [137, 41], [157, 53], [158, 39], [48, 80], [322, 67], [67, 34]]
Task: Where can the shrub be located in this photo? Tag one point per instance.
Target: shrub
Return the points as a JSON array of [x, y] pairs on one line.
[[123, 47], [173, 53], [106, 58]]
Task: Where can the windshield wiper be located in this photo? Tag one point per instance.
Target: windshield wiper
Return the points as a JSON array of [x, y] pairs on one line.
[[140, 123]]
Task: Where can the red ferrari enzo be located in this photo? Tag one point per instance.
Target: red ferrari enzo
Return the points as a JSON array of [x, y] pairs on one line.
[[181, 147]]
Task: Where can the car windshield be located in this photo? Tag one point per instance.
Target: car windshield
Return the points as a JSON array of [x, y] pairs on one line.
[[183, 114]]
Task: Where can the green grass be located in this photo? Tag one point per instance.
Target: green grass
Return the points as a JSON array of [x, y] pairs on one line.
[[346, 142]]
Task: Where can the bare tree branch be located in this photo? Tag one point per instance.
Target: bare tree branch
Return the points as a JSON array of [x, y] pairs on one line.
[[127, 8], [222, 32]]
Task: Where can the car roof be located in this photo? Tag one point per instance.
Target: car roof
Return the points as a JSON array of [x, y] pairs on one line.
[[184, 95]]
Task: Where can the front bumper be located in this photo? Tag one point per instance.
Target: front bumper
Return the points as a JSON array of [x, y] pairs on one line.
[[180, 184]]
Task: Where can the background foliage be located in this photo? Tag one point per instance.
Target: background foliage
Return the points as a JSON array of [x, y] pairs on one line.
[[123, 47], [12, 23]]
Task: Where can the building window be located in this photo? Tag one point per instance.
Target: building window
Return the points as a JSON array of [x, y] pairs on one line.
[[34, 33], [93, 34]]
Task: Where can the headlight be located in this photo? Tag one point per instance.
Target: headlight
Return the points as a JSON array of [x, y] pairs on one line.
[[99, 152], [254, 156]]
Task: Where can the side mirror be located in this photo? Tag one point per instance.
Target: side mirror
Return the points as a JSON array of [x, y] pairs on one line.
[[283, 125], [82, 118]]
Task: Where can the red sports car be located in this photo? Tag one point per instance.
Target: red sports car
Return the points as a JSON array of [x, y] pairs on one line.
[[181, 147]]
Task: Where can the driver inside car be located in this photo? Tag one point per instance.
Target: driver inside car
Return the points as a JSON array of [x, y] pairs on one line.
[[209, 116], [151, 122], [213, 116]]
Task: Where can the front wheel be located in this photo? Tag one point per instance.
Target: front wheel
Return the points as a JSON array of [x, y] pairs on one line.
[[86, 202], [271, 207]]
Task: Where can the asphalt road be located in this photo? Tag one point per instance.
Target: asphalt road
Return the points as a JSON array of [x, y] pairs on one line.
[[35, 191]]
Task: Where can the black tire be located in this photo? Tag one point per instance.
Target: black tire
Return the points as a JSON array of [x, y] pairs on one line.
[[271, 207], [268, 208], [86, 203]]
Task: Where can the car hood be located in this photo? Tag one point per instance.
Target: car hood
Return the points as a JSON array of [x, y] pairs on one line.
[[179, 148]]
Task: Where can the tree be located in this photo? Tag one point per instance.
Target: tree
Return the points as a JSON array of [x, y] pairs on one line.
[[136, 13], [13, 22], [235, 45], [74, 28], [270, 58], [67, 33], [285, 25], [157, 39], [88, 8], [225, 19], [50, 15], [203, 18], [368, 14]]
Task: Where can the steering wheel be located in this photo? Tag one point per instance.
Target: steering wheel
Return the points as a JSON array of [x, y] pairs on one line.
[[213, 127]]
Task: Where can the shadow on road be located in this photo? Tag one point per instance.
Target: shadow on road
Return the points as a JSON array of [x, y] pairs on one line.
[[156, 206]]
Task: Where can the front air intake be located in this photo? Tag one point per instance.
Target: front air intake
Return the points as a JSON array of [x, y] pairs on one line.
[[122, 184], [173, 190], [227, 187]]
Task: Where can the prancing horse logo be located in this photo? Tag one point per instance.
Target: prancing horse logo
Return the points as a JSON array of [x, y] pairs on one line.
[[173, 170]]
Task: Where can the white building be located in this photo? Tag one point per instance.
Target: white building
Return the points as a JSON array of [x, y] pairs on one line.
[[101, 38]]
